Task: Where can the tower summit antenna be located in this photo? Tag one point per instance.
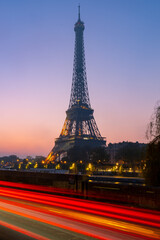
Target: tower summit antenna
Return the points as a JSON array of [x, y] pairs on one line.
[[79, 12]]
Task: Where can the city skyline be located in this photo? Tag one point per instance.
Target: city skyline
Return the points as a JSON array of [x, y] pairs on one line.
[[122, 58]]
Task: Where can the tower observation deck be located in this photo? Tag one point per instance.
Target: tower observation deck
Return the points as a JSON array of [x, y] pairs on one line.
[[80, 128]]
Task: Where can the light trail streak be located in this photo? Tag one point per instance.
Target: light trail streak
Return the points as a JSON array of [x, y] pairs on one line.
[[44, 207], [97, 220], [88, 207], [23, 231], [53, 190], [87, 218], [79, 229], [49, 220], [39, 188], [101, 206]]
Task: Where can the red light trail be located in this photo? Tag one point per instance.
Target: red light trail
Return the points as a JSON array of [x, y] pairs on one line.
[[131, 221]]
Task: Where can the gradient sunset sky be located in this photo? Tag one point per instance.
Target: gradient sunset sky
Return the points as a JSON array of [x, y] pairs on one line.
[[122, 47]]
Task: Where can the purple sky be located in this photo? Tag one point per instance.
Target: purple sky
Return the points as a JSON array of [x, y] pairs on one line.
[[122, 46]]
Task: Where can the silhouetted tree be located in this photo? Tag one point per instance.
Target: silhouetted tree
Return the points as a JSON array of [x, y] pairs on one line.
[[77, 154], [132, 154], [84, 155], [99, 155], [152, 170], [153, 129]]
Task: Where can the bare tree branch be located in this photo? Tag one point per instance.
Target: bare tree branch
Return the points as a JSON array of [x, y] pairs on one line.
[[153, 128]]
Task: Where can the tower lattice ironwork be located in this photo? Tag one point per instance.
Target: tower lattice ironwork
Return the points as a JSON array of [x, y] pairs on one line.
[[80, 128]]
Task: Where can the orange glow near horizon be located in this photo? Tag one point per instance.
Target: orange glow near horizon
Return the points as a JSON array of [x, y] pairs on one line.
[[26, 143]]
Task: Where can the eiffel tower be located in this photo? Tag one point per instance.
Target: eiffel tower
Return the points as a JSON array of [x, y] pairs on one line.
[[80, 128]]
